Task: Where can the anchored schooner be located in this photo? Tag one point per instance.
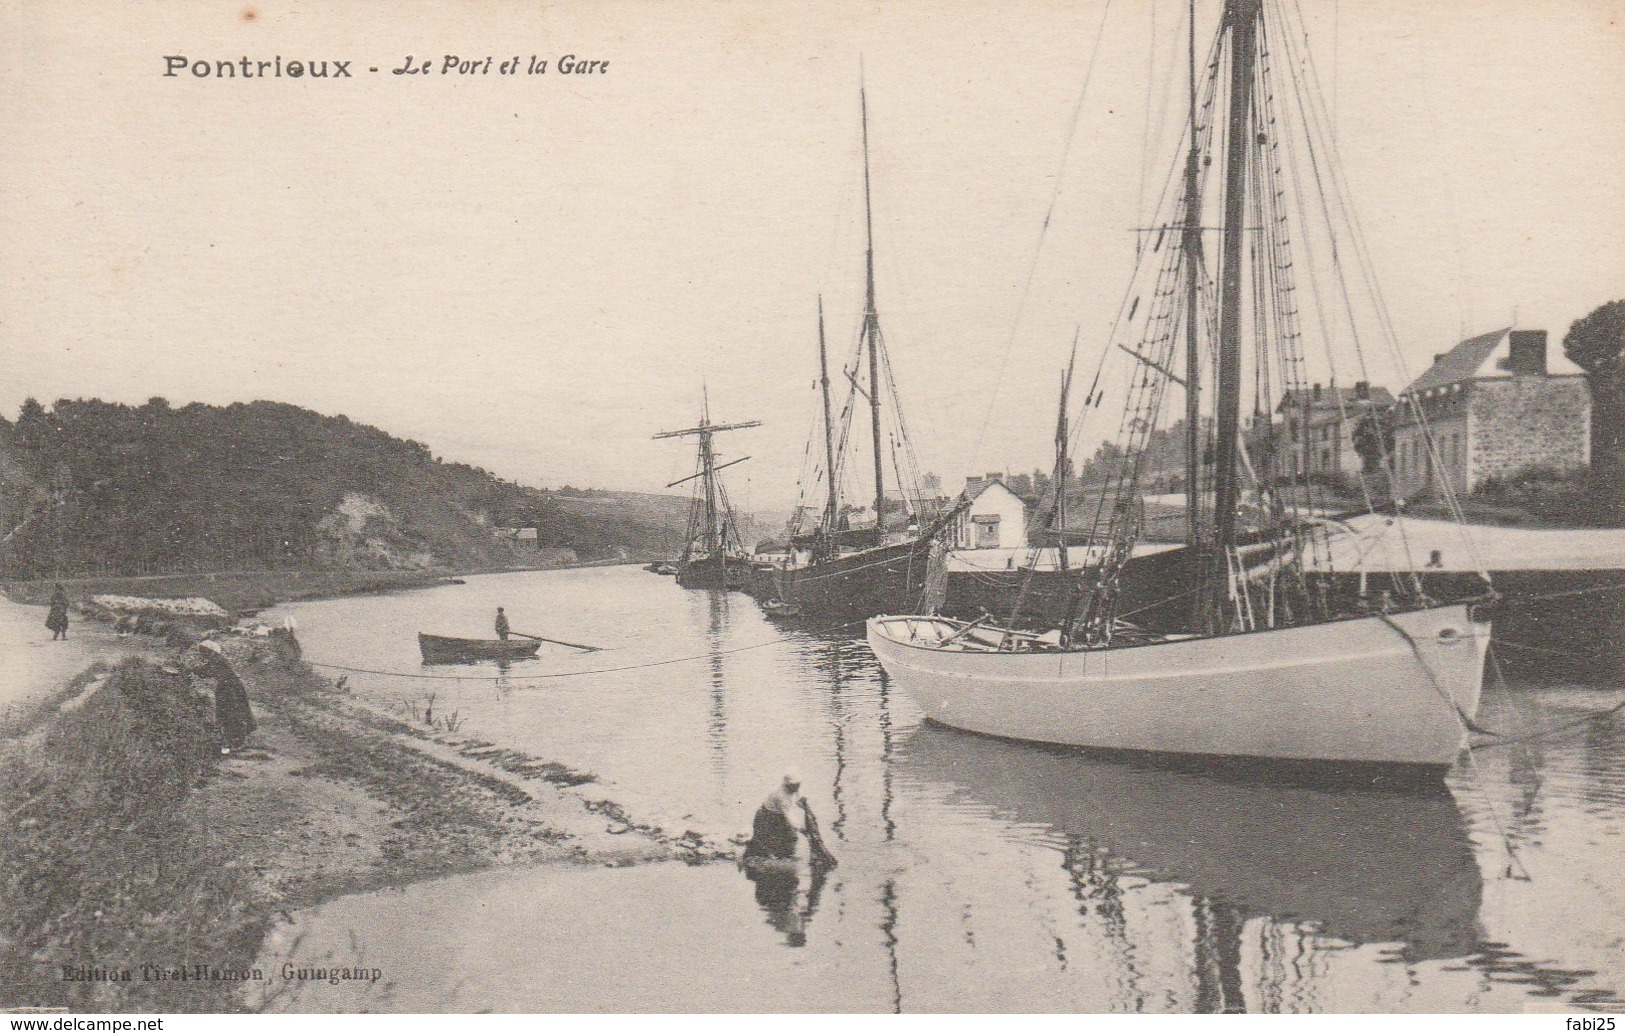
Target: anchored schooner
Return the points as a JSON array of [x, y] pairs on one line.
[[713, 554], [842, 565], [1270, 662]]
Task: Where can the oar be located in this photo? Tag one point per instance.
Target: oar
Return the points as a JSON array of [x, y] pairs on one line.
[[817, 852], [559, 642]]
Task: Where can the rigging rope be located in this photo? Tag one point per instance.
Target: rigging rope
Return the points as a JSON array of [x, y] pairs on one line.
[[1049, 213]]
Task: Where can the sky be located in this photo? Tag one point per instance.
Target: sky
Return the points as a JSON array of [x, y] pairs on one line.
[[537, 273]]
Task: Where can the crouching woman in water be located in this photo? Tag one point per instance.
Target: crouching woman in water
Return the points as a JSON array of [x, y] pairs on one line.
[[777, 823], [779, 820]]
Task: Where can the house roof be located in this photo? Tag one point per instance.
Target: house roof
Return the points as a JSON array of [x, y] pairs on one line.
[[1336, 399], [976, 487], [1482, 357], [1463, 362]]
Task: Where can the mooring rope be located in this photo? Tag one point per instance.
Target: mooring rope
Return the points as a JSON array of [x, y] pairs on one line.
[[526, 677]]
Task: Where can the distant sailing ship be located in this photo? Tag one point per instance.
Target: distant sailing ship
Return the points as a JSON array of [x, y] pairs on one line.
[[1270, 664], [713, 554], [897, 565]]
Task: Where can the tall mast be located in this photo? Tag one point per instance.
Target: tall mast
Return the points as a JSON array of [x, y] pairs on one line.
[[871, 327], [1193, 358], [1241, 17], [708, 463], [1062, 433], [716, 518], [831, 506]]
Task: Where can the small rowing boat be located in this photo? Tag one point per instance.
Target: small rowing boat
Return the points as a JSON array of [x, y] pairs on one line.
[[439, 649]]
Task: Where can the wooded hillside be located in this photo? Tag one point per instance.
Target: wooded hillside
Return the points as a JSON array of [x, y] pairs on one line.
[[92, 486]]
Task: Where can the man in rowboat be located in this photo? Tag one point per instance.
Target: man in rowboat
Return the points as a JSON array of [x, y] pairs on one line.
[[502, 625]]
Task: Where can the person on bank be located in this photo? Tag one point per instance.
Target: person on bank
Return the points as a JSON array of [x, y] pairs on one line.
[[502, 625], [57, 618], [231, 710]]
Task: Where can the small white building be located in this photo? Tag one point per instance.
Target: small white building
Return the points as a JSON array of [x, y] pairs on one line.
[[522, 535], [995, 519]]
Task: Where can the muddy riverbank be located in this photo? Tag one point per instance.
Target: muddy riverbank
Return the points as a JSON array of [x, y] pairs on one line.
[[140, 870], [248, 591]]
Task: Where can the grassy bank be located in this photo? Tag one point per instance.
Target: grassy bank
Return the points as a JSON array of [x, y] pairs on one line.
[[129, 845]]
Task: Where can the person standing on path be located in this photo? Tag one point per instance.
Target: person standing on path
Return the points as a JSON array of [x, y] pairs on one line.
[[57, 618], [231, 710]]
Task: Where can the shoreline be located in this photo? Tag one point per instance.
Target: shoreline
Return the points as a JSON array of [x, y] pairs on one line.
[[332, 796]]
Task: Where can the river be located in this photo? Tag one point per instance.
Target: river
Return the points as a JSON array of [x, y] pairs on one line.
[[974, 874]]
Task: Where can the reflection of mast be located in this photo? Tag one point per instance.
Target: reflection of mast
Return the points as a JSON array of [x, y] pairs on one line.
[[886, 756], [838, 704], [888, 926], [1090, 873], [1218, 957], [718, 728]]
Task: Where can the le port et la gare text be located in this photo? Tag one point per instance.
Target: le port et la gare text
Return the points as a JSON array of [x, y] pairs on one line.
[[277, 67]]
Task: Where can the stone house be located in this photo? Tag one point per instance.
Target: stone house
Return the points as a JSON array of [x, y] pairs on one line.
[[1495, 405], [995, 519], [1317, 429]]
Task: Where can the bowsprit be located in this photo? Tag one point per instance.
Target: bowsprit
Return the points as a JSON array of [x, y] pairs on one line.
[[246, 68]]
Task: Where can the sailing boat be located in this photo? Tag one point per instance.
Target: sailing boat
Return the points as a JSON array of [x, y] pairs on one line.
[[836, 569], [713, 555], [1270, 664]]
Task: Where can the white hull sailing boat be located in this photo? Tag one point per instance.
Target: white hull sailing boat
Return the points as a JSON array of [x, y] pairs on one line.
[[1273, 665], [1384, 690]]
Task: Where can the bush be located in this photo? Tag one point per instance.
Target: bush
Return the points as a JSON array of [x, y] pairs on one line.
[[1586, 498]]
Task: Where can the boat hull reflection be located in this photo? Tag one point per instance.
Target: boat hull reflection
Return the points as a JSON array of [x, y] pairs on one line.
[[1361, 865]]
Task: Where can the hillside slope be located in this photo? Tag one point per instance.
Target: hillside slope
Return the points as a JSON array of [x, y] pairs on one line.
[[95, 486]]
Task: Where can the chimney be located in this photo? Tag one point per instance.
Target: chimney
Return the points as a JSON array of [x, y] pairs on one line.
[[1362, 390], [1528, 354]]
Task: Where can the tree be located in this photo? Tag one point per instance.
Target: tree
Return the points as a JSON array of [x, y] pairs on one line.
[[33, 427], [1597, 345], [1374, 439]]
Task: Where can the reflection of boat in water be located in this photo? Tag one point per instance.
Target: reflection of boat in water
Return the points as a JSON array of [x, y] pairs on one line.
[[1369, 866], [440, 649]]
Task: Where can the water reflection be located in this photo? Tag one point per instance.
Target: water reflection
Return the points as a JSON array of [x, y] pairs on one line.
[[717, 729], [979, 875], [1393, 867], [780, 894]]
